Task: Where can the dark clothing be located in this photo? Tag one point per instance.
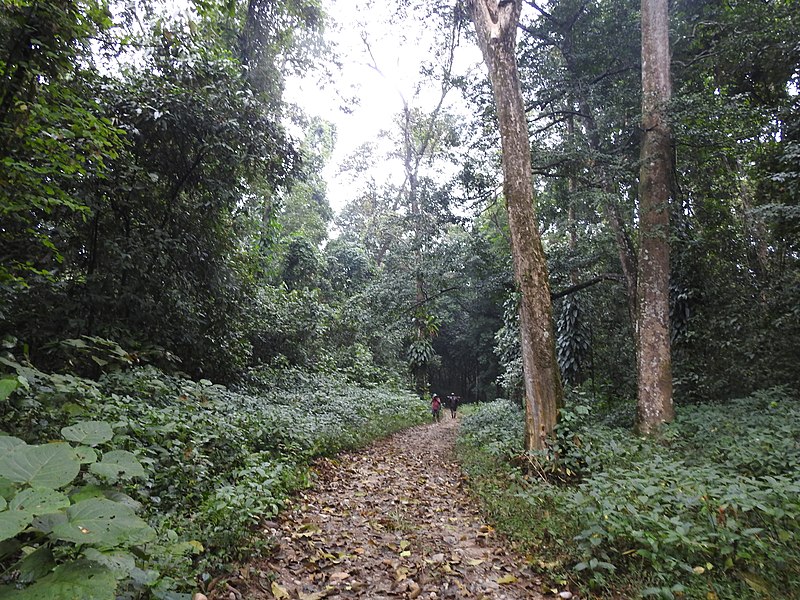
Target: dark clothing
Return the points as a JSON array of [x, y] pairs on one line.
[[452, 402]]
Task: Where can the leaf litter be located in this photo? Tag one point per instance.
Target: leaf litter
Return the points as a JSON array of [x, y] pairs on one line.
[[394, 520]]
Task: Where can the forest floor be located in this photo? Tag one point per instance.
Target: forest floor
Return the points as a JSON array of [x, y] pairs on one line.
[[394, 520]]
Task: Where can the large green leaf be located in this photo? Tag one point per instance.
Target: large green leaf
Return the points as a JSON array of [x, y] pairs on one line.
[[90, 433], [8, 443], [118, 464], [86, 491], [120, 563], [123, 498], [39, 501], [86, 455], [103, 523], [80, 580], [35, 565], [7, 489], [49, 465], [12, 522], [46, 523]]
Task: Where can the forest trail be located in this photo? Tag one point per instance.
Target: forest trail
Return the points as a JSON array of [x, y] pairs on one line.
[[394, 520]]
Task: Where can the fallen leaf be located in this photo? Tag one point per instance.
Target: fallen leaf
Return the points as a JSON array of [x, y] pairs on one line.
[[278, 592], [307, 530], [338, 576], [506, 579], [474, 562], [314, 596]]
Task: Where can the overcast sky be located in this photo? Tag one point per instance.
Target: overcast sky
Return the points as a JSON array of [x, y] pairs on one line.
[[398, 52]]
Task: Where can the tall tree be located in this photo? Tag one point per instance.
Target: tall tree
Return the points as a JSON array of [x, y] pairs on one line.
[[654, 363], [496, 24], [406, 219]]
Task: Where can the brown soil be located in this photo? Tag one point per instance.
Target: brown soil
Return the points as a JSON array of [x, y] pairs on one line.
[[394, 520]]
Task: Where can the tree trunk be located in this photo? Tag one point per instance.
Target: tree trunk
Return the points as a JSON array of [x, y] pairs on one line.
[[654, 405], [496, 26], [626, 253]]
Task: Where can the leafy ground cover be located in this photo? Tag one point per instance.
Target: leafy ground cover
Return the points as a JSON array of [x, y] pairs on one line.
[[393, 520], [711, 510], [149, 482]]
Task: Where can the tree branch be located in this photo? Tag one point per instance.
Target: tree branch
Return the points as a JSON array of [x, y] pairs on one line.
[[586, 284]]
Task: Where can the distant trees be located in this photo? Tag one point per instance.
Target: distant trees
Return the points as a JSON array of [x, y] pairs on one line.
[[402, 221]]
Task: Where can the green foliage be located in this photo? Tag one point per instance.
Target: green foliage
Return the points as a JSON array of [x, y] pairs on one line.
[[420, 353], [497, 428], [57, 524], [53, 132], [753, 436], [203, 464], [572, 345], [711, 507], [509, 351], [141, 207], [84, 579], [301, 264], [677, 521]]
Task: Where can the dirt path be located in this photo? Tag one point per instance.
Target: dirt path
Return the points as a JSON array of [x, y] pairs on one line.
[[391, 521]]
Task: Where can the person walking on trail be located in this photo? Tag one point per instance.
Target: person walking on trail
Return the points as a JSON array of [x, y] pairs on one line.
[[436, 407], [452, 401]]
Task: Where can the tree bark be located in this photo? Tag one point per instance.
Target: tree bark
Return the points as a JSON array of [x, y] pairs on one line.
[[496, 26], [654, 397]]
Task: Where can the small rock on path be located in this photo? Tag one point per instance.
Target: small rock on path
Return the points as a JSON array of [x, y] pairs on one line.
[[394, 520]]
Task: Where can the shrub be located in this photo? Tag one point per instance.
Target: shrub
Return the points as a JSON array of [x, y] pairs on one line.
[[678, 522], [497, 428], [711, 509], [214, 460], [757, 435], [63, 529]]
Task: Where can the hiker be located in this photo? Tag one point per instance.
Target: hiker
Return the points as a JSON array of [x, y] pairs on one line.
[[436, 407], [453, 401]]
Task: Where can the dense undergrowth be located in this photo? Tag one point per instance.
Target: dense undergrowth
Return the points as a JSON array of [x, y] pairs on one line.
[[710, 510], [140, 483]]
